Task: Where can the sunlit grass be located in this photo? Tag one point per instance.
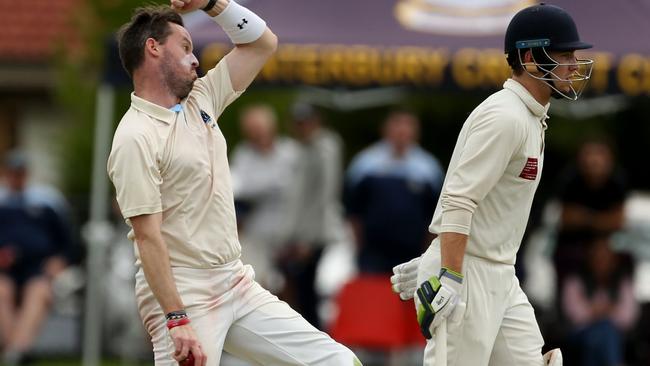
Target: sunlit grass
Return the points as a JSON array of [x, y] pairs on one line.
[[77, 362]]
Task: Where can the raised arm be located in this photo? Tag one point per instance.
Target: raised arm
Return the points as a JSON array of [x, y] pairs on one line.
[[254, 42], [246, 60]]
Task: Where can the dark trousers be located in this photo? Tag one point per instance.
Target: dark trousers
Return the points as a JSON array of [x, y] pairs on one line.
[[600, 344], [300, 287]]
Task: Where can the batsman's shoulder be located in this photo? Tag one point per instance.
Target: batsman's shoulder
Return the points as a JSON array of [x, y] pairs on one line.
[[504, 103], [496, 117]]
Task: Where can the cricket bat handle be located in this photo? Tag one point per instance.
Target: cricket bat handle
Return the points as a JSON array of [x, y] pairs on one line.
[[441, 344]]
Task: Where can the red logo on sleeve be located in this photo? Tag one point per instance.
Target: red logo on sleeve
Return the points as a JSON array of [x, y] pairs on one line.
[[530, 169]]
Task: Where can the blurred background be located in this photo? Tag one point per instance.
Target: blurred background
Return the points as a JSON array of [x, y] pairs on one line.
[[337, 153]]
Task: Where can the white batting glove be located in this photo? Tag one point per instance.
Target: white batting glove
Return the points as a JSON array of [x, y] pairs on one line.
[[553, 357], [436, 299], [404, 278]]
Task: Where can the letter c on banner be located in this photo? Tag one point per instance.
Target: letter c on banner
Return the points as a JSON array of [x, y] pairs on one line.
[[633, 74]]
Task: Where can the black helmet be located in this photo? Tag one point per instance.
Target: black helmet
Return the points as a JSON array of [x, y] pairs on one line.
[[543, 25]]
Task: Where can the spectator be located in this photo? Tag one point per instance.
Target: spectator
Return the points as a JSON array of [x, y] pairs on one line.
[[392, 188], [600, 305], [592, 199], [125, 335], [263, 167], [34, 249], [391, 191], [315, 211]]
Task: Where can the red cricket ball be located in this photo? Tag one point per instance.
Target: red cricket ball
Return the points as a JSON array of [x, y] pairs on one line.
[[189, 361]]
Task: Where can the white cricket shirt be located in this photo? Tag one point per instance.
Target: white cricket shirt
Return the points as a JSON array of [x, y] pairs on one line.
[[493, 174], [174, 161]]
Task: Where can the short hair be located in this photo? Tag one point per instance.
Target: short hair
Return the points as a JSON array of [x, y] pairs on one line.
[[539, 56], [146, 22], [401, 111], [514, 63], [599, 139], [302, 112], [265, 109], [16, 160]]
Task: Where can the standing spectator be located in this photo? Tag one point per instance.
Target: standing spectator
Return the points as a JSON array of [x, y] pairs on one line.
[[315, 212], [34, 249], [592, 199], [600, 305], [391, 191], [126, 337], [262, 169]]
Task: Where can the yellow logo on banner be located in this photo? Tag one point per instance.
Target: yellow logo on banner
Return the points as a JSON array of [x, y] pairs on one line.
[[467, 68]]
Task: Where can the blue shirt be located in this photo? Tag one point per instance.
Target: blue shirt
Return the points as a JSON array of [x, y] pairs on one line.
[[393, 198], [34, 230]]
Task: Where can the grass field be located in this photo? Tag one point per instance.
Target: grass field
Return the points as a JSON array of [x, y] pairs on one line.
[[77, 362]]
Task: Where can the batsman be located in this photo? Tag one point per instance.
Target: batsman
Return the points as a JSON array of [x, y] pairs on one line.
[[470, 305]]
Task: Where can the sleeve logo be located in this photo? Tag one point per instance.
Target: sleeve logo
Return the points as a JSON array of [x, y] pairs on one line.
[[207, 119], [530, 169]]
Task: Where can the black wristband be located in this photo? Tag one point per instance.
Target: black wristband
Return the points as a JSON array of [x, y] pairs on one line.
[[210, 5], [179, 314]]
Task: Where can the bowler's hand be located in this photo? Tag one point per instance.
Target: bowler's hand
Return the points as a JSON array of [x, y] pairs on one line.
[[185, 341], [185, 6]]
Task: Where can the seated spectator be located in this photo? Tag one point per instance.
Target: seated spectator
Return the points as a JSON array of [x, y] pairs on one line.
[[34, 249], [600, 305], [592, 198], [315, 214]]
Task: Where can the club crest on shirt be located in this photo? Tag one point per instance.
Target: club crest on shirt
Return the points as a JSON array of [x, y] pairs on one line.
[[207, 119], [530, 169]]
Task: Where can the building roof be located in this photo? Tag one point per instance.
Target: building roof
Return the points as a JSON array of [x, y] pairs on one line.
[[32, 28]]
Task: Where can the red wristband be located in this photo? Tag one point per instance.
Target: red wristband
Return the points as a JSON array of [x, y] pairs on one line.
[[173, 323]]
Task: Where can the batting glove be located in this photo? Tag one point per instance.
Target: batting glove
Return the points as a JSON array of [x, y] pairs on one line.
[[436, 299], [404, 278], [553, 357]]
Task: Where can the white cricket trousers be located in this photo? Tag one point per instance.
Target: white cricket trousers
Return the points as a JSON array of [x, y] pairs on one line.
[[497, 326], [230, 311]]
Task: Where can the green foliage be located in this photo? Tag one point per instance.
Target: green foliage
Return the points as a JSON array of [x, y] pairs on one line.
[[78, 73], [73, 362]]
